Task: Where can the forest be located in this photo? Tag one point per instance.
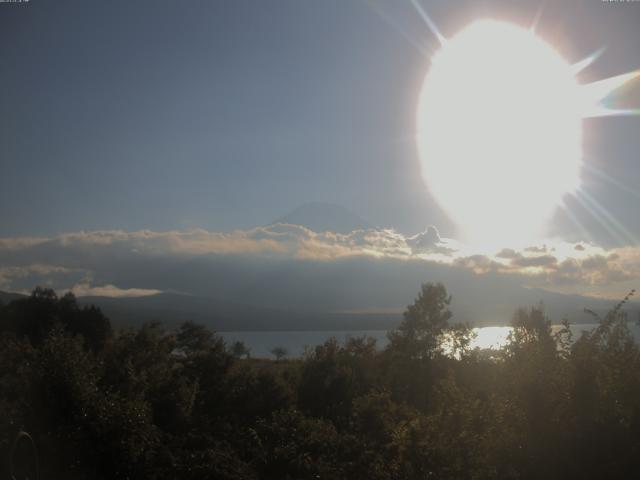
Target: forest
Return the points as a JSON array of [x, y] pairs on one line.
[[82, 400]]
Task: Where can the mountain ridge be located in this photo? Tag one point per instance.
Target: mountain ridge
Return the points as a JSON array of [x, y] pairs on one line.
[[227, 315]]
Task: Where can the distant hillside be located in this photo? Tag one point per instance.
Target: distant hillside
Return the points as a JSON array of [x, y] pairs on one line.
[[322, 217], [173, 309], [226, 314], [222, 315], [6, 297]]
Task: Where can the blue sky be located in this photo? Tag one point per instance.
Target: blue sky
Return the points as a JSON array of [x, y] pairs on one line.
[[226, 115], [210, 114], [223, 115]]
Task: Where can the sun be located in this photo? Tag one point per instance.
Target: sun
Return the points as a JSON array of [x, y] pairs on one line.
[[500, 131]]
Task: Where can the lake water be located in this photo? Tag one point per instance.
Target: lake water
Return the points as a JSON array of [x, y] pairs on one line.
[[295, 342]]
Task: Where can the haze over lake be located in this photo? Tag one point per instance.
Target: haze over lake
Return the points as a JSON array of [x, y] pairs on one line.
[[296, 343]]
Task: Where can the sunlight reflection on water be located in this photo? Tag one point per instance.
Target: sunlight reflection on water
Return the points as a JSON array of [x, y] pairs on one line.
[[490, 337], [295, 342]]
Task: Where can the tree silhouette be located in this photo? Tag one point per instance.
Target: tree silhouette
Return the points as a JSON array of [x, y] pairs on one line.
[[420, 333], [34, 317], [239, 349], [279, 352]]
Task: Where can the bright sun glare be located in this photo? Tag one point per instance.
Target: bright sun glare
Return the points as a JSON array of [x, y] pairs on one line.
[[499, 131]]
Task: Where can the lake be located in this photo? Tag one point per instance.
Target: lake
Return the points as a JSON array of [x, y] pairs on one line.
[[295, 342]]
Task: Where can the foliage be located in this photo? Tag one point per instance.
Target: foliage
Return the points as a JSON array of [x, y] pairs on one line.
[[154, 403], [420, 334]]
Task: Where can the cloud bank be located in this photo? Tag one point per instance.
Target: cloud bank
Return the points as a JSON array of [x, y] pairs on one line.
[[126, 264]]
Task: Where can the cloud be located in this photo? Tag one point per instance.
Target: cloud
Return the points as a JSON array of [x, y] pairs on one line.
[[508, 253], [22, 278], [120, 263], [479, 264], [429, 241], [534, 261], [537, 249], [86, 290], [19, 243]]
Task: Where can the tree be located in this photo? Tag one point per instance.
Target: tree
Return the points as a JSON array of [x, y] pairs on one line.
[[333, 375], [279, 352], [296, 446], [420, 333], [239, 349], [35, 317], [193, 337]]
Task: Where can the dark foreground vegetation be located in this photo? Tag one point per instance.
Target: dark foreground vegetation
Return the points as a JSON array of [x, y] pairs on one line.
[[154, 404]]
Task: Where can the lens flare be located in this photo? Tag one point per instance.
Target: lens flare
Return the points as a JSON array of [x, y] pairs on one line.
[[500, 129]]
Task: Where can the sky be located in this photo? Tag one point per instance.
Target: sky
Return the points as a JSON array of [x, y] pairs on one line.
[[218, 117]]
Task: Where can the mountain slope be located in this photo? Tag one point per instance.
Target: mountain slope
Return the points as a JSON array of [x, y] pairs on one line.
[[6, 297], [220, 315]]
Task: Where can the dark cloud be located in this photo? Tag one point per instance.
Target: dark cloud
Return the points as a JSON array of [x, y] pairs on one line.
[[291, 266]]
